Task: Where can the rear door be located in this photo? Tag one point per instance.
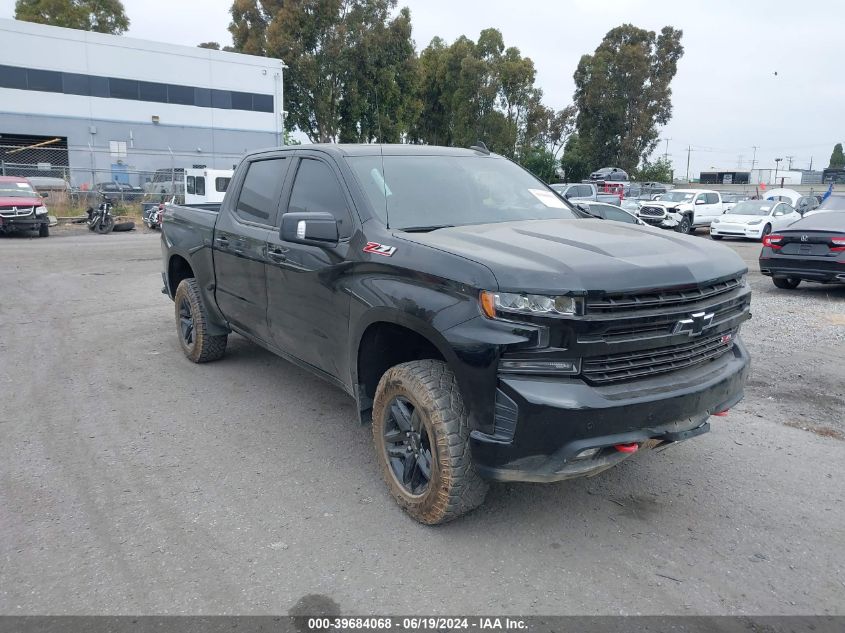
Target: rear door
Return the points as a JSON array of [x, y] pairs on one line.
[[240, 245], [710, 210], [308, 311]]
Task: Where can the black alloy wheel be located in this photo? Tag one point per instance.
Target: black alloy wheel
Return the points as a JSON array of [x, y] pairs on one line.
[[186, 322], [407, 446]]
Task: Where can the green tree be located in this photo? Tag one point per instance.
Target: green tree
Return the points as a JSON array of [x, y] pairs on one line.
[[622, 94], [658, 171], [837, 158], [541, 162], [351, 64], [573, 164], [102, 16], [471, 91], [212, 45]]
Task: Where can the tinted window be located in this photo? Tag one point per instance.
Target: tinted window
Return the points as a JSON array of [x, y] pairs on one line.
[[221, 99], [123, 88], [241, 101], [619, 215], [262, 103], [190, 186], [316, 189], [200, 185], [153, 92], [183, 95], [13, 77], [202, 97], [73, 84], [99, 86], [45, 80], [711, 198], [221, 184], [259, 198]]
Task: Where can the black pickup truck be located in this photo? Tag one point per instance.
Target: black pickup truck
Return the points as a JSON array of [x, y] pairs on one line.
[[486, 329]]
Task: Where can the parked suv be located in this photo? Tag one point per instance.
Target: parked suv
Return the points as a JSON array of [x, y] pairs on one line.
[[484, 329], [21, 208]]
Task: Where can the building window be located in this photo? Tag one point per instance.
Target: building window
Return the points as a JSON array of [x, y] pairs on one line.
[[117, 149], [74, 84], [153, 92], [241, 101], [45, 80], [123, 88]]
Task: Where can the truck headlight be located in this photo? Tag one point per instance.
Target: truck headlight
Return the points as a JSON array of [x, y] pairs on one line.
[[40, 210], [540, 305]]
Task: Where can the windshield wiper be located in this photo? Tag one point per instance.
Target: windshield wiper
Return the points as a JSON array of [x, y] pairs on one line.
[[426, 229]]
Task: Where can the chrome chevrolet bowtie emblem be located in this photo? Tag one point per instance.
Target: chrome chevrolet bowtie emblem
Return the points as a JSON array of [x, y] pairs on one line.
[[695, 324]]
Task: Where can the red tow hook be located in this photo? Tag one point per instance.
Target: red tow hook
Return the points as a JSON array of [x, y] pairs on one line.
[[627, 448], [721, 414]]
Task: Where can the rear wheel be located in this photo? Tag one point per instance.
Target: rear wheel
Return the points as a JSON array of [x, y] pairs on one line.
[[192, 325], [421, 434], [787, 283]]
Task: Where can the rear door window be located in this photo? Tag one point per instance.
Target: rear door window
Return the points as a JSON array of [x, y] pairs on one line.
[[259, 198]]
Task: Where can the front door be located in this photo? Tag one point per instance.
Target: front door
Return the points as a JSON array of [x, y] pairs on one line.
[[308, 310]]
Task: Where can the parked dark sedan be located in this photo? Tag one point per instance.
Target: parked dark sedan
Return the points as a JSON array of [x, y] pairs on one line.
[[811, 249]]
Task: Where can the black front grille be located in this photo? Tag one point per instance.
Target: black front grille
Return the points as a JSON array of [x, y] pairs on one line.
[[671, 298], [630, 365], [654, 212]]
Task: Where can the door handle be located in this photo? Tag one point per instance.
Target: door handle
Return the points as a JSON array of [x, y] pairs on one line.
[[277, 255], [222, 240]]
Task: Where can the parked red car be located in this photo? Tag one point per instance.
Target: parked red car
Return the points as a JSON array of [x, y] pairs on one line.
[[21, 207]]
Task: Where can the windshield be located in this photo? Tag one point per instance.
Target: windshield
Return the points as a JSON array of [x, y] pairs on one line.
[[16, 190], [428, 192], [833, 203], [676, 196], [752, 207]]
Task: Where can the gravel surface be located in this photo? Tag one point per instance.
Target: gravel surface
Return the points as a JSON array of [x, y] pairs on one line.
[[132, 481]]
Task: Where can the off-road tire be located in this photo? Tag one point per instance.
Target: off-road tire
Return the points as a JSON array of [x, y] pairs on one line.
[[786, 283], [123, 226], [455, 487], [44, 230], [685, 225], [204, 347]]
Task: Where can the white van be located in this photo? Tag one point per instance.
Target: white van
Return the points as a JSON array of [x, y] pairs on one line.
[[206, 185]]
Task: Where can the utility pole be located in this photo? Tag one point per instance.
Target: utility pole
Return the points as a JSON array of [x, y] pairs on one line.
[[689, 150], [789, 158], [754, 158], [811, 163], [666, 153], [777, 165], [739, 162]]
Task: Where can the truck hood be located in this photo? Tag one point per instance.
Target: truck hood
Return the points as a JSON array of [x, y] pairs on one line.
[[550, 256], [667, 205], [16, 201]]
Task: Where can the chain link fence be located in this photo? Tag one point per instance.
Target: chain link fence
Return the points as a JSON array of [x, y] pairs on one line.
[[76, 177]]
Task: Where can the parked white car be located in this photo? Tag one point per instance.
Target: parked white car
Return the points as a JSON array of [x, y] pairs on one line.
[[753, 219], [682, 209]]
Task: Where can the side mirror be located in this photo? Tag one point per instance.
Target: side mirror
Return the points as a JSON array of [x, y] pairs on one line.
[[45, 195], [700, 201], [317, 228]]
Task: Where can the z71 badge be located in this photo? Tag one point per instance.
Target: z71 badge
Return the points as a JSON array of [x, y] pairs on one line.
[[379, 249]]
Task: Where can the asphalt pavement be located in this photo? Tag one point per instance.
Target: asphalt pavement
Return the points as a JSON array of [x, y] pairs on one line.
[[135, 482]]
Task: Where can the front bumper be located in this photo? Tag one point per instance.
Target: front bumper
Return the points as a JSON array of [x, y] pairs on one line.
[[737, 230], [31, 222], [554, 420]]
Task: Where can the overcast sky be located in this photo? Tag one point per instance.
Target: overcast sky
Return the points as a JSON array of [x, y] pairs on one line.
[[726, 95]]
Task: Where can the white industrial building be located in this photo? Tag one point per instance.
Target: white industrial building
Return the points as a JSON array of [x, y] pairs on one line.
[[91, 107]]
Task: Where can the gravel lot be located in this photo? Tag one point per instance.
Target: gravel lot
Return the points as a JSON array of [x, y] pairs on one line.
[[132, 481]]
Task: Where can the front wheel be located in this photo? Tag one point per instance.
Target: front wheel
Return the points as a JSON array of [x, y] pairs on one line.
[[786, 283], [105, 225], [716, 237], [192, 325], [684, 226], [44, 230], [421, 433]]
